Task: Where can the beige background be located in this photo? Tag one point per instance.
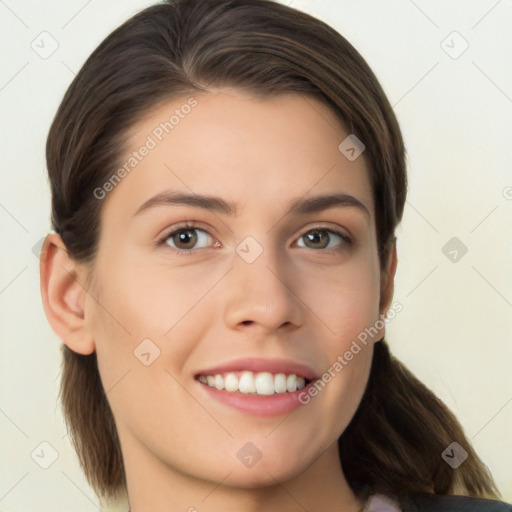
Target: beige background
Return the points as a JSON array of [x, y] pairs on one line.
[[455, 110]]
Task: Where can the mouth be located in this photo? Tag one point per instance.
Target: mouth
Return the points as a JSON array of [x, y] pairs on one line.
[[257, 386], [248, 382]]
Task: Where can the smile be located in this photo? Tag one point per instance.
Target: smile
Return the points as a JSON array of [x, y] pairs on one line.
[[257, 383]]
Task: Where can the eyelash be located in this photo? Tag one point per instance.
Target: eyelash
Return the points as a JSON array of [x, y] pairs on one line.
[[191, 226]]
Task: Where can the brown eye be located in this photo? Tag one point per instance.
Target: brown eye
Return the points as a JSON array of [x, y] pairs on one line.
[[186, 238], [321, 238]]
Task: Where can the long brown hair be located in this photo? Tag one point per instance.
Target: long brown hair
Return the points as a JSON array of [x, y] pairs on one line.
[[180, 47]]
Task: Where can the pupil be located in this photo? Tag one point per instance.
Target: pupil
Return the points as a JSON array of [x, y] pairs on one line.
[[315, 236], [184, 235]]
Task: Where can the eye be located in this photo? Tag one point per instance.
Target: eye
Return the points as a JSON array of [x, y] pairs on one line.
[[321, 238], [186, 237]]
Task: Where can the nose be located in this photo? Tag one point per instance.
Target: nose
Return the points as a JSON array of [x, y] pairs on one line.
[[259, 295]]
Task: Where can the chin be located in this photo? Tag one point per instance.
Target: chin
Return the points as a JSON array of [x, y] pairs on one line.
[[266, 473], [259, 479]]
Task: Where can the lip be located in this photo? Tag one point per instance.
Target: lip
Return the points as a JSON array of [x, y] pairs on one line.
[[256, 365], [260, 405]]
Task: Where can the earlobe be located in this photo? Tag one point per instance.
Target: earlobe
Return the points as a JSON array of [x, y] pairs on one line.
[[63, 294]]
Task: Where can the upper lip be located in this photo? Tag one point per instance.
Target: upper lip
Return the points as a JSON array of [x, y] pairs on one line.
[[274, 366]]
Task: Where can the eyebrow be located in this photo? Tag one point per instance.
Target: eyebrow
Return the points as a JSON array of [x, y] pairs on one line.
[[216, 204]]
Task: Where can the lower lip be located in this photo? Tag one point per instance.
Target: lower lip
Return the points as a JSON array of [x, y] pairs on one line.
[[259, 405]]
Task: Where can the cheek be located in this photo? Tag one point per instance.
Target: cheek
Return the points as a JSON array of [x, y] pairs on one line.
[[143, 320], [137, 301], [349, 314], [344, 299], [346, 303], [156, 297]]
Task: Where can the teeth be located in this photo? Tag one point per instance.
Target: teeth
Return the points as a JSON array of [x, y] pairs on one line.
[[262, 383], [291, 383], [246, 383], [219, 382], [280, 383], [231, 382], [265, 383]]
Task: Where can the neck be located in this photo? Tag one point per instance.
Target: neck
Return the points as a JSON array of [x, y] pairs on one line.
[[154, 486]]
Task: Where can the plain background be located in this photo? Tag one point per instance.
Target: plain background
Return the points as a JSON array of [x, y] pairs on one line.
[[455, 111]]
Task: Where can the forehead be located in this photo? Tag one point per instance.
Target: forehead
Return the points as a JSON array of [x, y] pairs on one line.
[[257, 152]]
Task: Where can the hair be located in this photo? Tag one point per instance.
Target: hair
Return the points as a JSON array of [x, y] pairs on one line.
[[181, 47]]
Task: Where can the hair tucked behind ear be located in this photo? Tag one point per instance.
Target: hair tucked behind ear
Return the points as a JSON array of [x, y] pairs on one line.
[[395, 440], [181, 47]]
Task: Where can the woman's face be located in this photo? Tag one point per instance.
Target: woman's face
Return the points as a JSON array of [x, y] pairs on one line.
[[270, 281]]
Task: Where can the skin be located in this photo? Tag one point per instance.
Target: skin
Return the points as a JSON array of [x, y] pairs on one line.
[[295, 301]]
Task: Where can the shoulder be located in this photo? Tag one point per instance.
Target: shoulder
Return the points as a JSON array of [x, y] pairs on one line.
[[425, 502]]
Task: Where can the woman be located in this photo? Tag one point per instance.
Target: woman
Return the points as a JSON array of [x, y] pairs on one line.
[[226, 179]]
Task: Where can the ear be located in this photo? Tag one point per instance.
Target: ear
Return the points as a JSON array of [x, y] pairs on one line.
[[387, 281], [63, 292]]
